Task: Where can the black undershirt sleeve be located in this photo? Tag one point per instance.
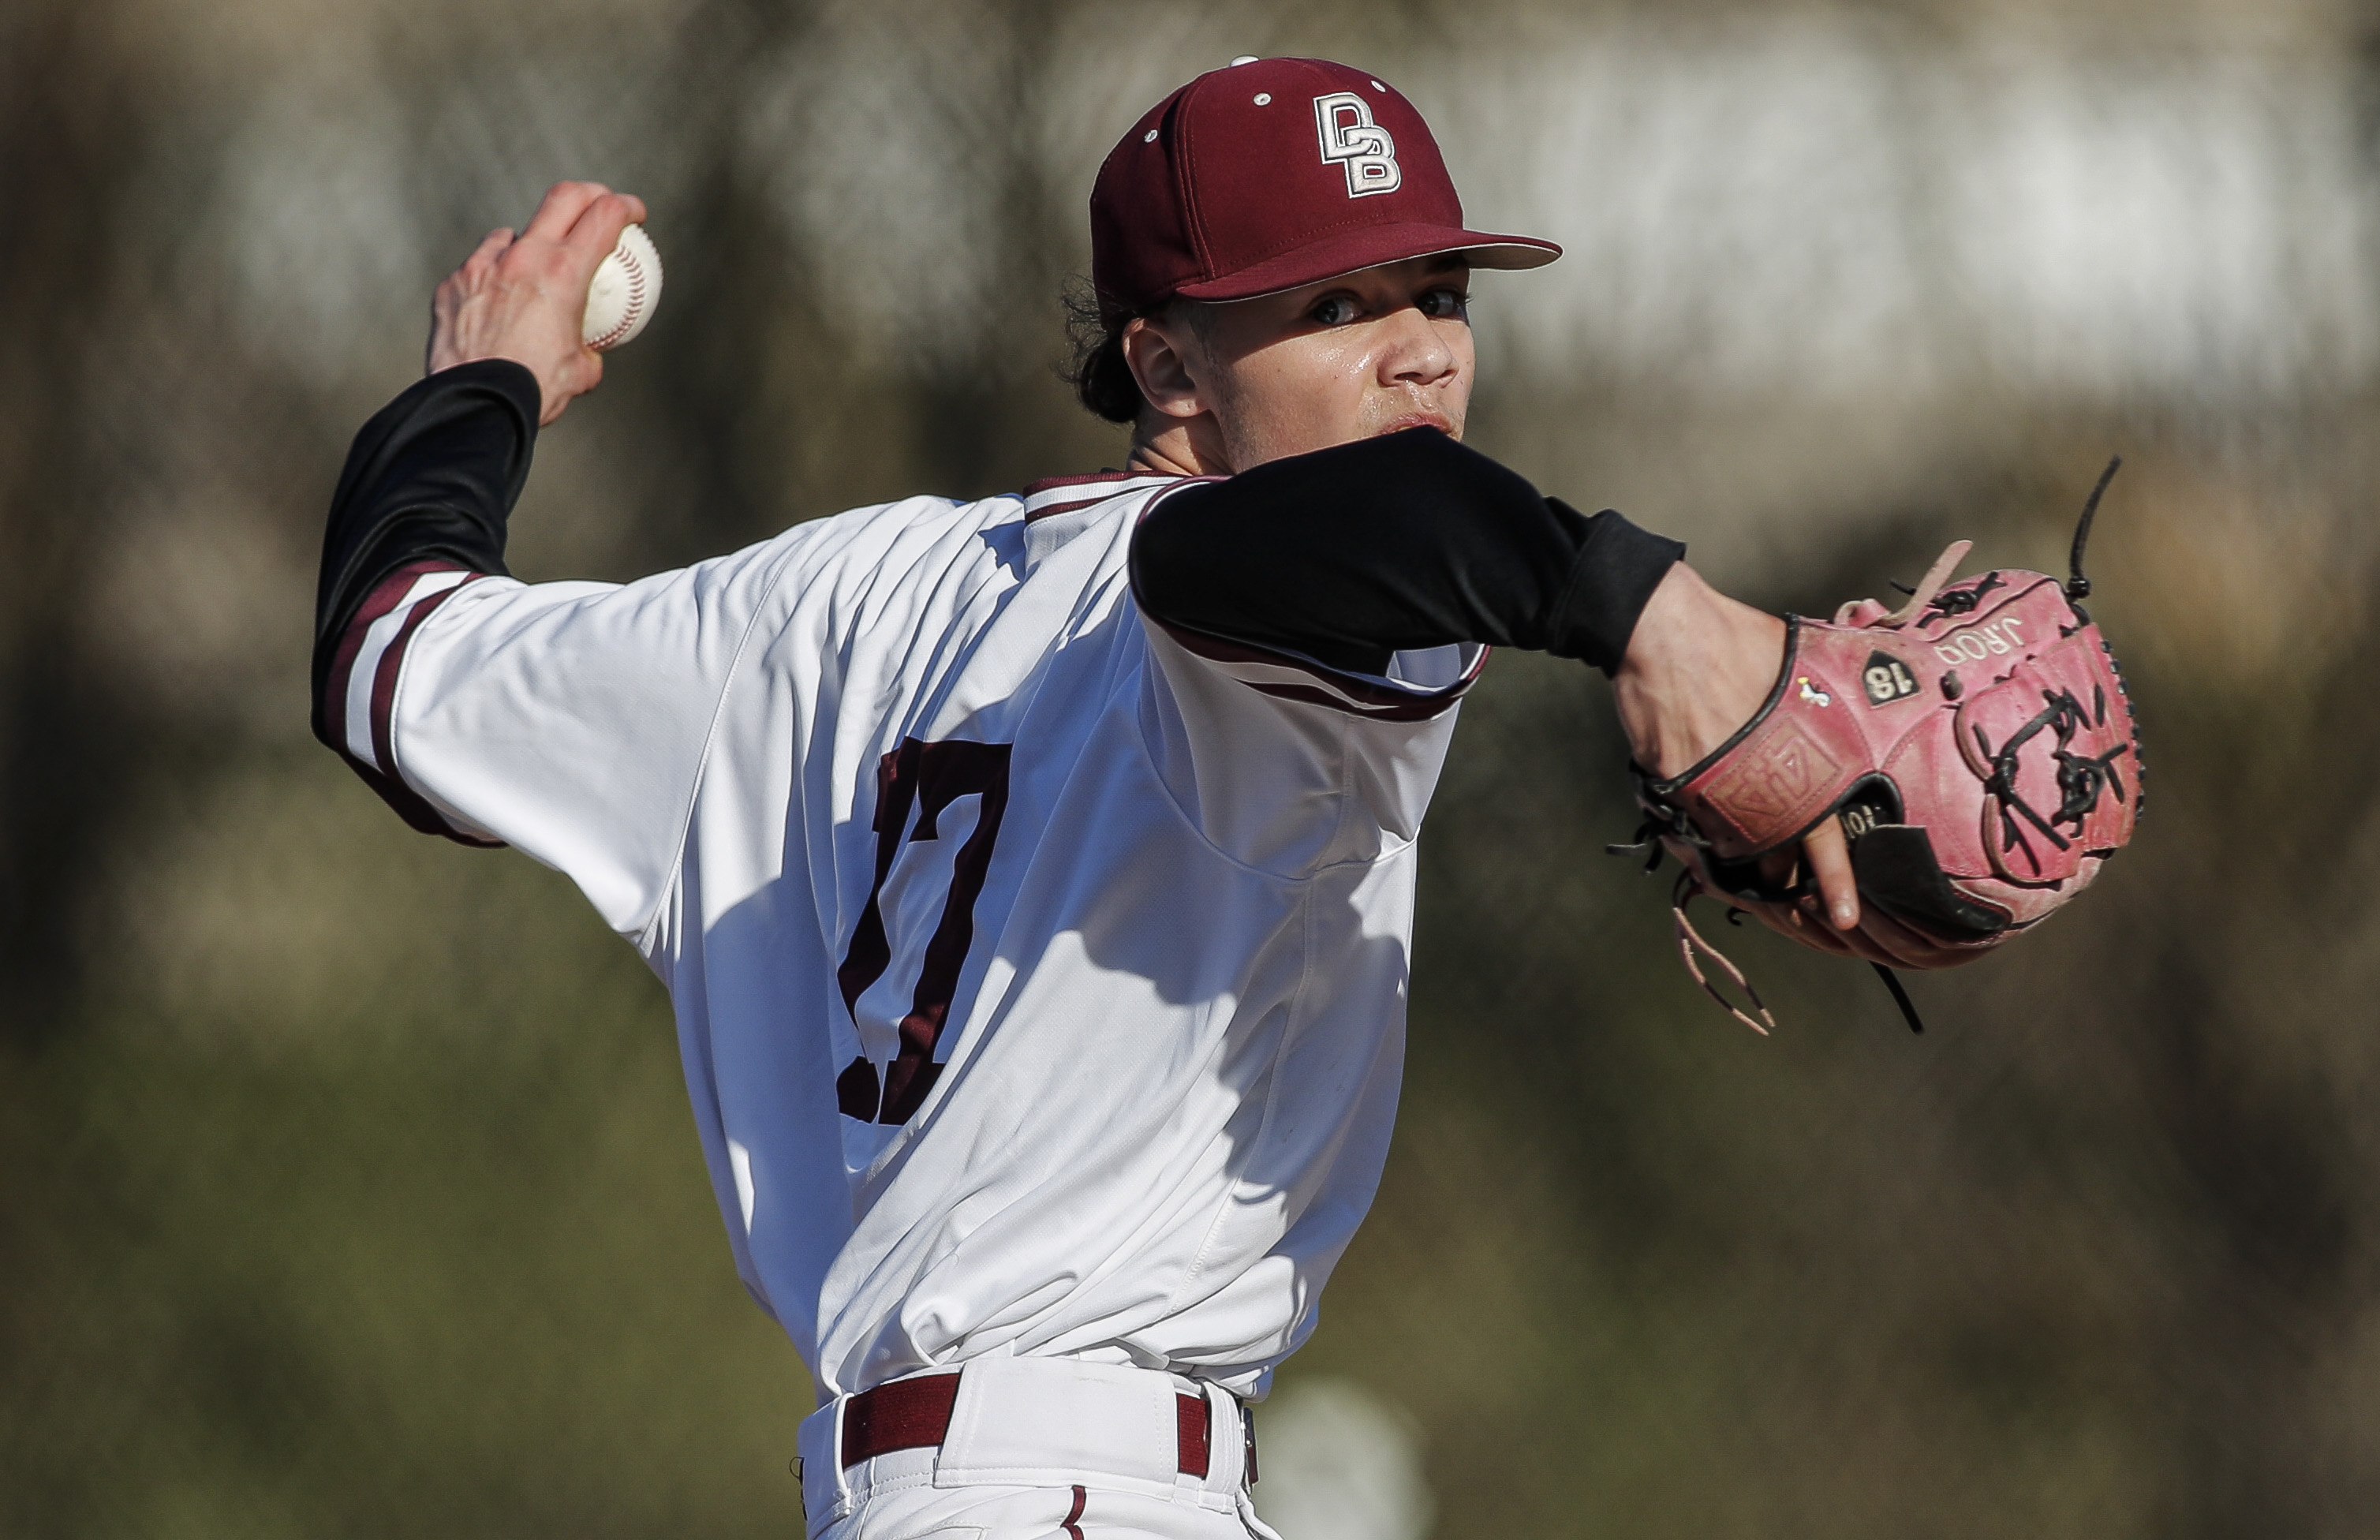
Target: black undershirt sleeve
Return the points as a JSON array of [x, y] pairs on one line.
[[1412, 540], [1346, 555], [433, 477]]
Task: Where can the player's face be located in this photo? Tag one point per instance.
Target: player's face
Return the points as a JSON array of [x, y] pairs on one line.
[[1370, 353]]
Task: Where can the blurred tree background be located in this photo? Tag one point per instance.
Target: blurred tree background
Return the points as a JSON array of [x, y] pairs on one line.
[[347, 1185]]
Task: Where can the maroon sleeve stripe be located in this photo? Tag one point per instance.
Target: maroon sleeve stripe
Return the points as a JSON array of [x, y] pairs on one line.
[[1417, 708], [380, 601], [367, 745], [410, 806], [383, 685], [1351, 693]]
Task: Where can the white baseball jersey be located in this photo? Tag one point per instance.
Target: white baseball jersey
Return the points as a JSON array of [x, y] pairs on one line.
[[1039, 972]]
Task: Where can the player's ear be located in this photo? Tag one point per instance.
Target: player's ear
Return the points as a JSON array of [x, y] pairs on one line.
[[1158, 353]]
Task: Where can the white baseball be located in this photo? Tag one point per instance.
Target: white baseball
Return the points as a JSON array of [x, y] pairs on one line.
[[626, 290]]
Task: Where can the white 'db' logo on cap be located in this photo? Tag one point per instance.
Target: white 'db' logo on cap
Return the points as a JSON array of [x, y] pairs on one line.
[[1350, 138]]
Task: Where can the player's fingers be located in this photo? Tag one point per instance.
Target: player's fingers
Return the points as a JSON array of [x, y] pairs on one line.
[[483, 256], [1830, 862], [1794, 926], [564, 202], [1907, 947], [598, 228], [1863, 943]]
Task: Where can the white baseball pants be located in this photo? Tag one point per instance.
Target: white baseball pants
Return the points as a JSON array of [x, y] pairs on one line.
[[1039, 1449]]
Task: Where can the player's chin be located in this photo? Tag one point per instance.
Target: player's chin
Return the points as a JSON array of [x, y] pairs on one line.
[[1404, 421]]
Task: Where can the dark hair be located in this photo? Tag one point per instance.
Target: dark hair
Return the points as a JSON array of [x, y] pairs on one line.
[[1101, 378]]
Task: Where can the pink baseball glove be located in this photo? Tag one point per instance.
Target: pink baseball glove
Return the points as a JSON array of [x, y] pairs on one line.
[[1977, 744]]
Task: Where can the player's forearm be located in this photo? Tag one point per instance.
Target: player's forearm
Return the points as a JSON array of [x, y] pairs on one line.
[[433, 477], [1413, 540]]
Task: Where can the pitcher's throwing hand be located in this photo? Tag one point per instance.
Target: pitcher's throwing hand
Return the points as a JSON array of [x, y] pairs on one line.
[[523, 296]]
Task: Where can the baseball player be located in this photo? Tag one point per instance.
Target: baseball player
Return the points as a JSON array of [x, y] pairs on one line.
[[1033, 877]]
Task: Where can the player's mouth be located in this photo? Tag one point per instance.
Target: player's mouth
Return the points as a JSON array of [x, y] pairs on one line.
[[1417, 419]]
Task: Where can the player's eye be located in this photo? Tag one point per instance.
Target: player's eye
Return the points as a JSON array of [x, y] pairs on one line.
[[1445, 305], [1336, 310]]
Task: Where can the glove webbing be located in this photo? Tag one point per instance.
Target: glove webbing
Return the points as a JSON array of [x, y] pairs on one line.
[[2081, 777]]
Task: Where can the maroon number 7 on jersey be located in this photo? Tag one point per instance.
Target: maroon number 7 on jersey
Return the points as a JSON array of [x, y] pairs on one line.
[[929, 777]]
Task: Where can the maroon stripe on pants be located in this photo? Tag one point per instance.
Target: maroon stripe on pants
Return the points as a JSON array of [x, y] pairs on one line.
[[1074, 1530]]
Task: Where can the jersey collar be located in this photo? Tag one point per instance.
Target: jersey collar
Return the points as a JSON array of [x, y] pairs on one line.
[[1063, 494]]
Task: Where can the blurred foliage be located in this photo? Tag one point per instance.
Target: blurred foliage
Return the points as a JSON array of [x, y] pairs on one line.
[[346, 1181]]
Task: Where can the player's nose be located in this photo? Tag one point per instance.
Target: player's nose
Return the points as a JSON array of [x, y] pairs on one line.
[[1414, 352]]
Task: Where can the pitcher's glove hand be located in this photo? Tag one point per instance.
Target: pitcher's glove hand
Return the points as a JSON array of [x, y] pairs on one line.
[[1977, 744]]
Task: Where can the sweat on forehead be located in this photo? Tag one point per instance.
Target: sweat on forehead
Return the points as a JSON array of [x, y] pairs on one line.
[[1270, 175]]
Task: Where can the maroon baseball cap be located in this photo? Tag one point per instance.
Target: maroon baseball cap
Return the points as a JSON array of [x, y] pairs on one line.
[[1271, 174]]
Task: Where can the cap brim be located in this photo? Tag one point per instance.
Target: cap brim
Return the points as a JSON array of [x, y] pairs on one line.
[[1373, 245]]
